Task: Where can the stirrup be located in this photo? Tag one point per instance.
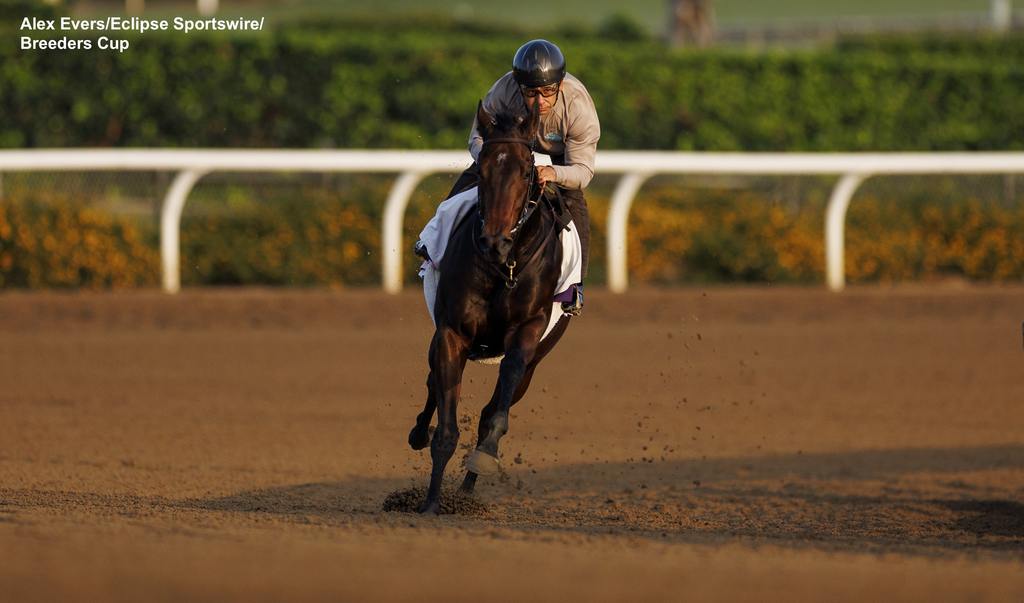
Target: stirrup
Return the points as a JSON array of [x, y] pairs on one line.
[[420, 249], [574, 307]]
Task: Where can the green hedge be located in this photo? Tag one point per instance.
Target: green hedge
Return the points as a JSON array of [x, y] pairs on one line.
[[992, 47], [375, 87]]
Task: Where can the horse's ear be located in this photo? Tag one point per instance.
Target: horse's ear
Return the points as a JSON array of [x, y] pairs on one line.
[[532, 125], [484, 122]]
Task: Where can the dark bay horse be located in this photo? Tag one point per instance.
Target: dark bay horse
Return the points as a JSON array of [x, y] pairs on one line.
[[494, 297]]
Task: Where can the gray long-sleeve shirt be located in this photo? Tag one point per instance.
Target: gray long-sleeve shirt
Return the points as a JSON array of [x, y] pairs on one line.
[[571, 128]]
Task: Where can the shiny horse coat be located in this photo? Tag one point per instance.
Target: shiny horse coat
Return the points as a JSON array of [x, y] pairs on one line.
[[494, 297]]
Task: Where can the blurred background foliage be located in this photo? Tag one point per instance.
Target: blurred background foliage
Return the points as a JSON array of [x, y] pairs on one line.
[[321, 79], [297, 232], [372, 87]]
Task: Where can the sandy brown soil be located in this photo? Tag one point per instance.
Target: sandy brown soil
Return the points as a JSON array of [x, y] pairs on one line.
[[740, 444]]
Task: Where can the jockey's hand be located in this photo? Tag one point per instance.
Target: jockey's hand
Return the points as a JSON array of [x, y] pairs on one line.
[[545, 174]]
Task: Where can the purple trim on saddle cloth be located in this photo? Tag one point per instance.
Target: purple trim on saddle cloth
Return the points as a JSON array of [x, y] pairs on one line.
[[565, 296]]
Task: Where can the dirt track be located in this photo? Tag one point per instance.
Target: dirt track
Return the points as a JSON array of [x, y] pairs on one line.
[[728, 444]]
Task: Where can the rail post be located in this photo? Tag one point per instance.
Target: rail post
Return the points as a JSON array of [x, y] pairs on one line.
[[835, 225], [1001, 13], [170, 227], [391, 236], [618, 222]]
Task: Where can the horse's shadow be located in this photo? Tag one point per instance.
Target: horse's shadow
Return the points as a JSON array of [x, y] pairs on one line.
[[990, 517], [913, 499]]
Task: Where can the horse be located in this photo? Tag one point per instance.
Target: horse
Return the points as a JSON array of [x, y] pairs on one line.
[[494, 297]]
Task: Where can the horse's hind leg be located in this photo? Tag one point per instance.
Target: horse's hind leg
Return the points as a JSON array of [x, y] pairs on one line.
[[447, 364], [419, 437]]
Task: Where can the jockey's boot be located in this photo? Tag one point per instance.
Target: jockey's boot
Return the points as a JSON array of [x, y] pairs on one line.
[[420, 249], [574, 307]]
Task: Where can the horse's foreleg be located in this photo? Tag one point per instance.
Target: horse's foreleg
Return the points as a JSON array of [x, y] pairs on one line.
[[513, 377], [447, 364], [484, 427], [488, 411], [543, 348]]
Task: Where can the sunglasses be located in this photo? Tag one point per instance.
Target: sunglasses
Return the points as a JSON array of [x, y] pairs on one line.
[[545, 91]]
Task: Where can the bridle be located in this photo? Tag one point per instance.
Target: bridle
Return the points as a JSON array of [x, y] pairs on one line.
[[528, 207]]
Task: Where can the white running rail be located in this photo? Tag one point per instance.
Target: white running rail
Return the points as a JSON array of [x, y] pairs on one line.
[[637, 166]]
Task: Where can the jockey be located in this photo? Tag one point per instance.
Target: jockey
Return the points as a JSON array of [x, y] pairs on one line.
[[569, 132]]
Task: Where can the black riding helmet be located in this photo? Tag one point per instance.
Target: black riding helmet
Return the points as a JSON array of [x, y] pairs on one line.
[[538, 63]]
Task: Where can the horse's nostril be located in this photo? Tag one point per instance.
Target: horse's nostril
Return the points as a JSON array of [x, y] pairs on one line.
[[497, 246]]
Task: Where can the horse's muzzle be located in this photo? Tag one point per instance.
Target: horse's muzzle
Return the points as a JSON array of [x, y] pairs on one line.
[[496, 248]]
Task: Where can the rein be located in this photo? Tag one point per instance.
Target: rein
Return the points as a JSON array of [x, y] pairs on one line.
[[507, 271]]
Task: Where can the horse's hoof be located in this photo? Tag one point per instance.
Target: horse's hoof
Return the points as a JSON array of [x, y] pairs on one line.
[[468, 484], [482, 463], [420, 438], [432, 508]]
